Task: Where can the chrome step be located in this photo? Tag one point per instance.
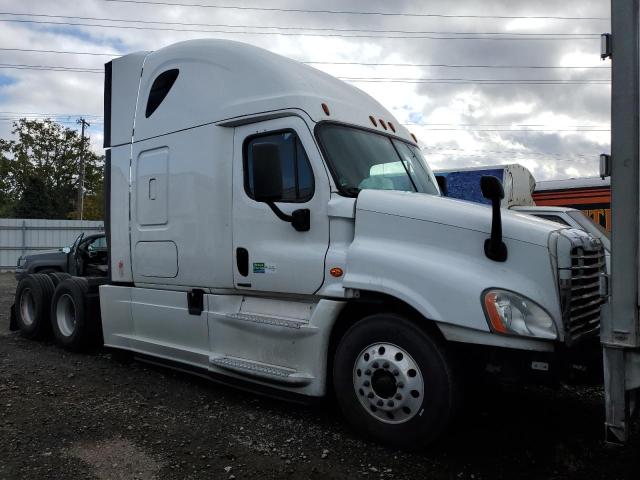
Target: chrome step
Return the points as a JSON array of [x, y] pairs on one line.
[[267, 320], [264, 371]]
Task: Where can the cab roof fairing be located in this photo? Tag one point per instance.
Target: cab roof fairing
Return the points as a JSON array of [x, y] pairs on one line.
[[223, 79]]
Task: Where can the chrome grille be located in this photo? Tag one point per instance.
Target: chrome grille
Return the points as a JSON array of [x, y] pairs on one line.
[[583, 299]]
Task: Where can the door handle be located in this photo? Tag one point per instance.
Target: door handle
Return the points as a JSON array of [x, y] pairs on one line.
[[242, 261]]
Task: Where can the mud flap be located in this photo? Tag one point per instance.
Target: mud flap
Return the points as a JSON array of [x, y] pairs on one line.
[[13, 321]]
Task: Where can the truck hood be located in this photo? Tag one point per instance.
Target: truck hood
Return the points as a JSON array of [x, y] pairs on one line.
[[455, 213], [53, 255]]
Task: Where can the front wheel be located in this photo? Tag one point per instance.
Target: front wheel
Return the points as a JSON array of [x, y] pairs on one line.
[[394, 382]]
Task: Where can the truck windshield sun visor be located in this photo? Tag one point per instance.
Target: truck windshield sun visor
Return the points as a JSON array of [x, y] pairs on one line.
[[361, 159]]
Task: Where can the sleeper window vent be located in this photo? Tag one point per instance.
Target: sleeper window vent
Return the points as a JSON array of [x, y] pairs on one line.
[[159, 90]]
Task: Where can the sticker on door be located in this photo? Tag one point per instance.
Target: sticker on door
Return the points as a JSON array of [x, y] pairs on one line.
[[261, 267]]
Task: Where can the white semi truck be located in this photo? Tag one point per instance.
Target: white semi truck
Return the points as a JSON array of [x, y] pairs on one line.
[[273, 227]]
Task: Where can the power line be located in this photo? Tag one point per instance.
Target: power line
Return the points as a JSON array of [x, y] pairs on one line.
[[263, 27], [471, 81], [372, 64], [49, 68], [446, 65], [86, 115], [353, 12], [479, 80], [338, 35], [500, 125], [450, 81], [511, 129]]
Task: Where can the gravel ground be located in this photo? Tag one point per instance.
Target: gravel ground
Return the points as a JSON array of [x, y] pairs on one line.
[[65, 415]]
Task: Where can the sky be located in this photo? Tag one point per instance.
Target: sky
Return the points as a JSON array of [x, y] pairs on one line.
[[479, 82]]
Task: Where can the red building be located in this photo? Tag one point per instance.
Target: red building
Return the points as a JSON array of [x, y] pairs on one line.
[[590, 194]]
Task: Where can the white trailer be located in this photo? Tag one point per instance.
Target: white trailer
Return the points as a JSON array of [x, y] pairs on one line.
[[272, 226]]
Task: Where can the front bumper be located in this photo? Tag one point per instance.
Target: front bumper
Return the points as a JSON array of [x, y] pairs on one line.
[[20, 273], [577, 365]]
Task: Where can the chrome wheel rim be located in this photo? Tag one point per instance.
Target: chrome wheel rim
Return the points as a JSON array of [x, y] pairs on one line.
[[388, 383], [66, 315], [27, 307]]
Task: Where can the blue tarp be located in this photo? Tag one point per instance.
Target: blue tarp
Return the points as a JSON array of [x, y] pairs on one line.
[[465, 185]]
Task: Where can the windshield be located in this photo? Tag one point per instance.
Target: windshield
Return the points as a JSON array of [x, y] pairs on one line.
[[361, 160], [592, 227]]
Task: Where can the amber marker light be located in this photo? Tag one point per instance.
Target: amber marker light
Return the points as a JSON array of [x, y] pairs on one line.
[[373, 120], [336, 272], [325, 108], [391, 127], [490, 304], [414, 138], [384, 125]]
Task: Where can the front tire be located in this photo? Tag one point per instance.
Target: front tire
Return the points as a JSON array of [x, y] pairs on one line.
[[75, 315], [32, 304], [394, 382]]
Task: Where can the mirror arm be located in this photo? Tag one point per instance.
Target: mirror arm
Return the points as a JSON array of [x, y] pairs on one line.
[[494, 247], [300, 220], [279, 213]]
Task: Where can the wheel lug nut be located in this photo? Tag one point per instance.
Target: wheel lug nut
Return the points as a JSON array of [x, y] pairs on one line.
[[385, 365], [380, 403], [390, 403], [400, 385], [375, 365], [366, 383], [370, 395], [398, 396], [367, 372], [395, 372]]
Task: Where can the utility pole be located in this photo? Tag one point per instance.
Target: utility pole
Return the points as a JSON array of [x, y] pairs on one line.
[[80, 206], [620, 332]]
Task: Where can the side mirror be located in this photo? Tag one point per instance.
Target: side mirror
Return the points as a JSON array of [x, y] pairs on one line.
[[491, 188], [494, 247], [267, 172], [267, 185], [442, 184]]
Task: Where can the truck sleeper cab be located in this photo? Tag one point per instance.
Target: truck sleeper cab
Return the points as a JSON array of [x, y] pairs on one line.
[[270, 224]]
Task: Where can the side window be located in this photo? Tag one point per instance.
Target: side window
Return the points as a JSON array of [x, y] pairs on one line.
[[297, 176], [160, 89]]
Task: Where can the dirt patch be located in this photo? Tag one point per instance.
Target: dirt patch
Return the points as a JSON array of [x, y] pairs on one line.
[[117, 459]]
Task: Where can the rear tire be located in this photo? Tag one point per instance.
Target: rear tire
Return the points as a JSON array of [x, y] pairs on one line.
[[394, 382], [58, 277], [75, 315], [47, 271], [33, 303]]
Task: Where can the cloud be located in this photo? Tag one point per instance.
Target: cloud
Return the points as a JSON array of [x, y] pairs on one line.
[[468, 123]]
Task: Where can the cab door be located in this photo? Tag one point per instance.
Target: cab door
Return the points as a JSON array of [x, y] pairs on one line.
[[269, 254]]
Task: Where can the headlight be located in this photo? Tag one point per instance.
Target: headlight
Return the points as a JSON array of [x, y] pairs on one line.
[[512, 314]]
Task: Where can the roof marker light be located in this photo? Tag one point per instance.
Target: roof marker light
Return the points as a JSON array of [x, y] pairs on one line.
[[414, 138], [391, 127], [384, 125], [325, 108], [373, 120]]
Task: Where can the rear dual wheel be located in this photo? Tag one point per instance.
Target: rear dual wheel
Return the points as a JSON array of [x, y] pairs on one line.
[[32, 301], [394, 382], [75, 315]]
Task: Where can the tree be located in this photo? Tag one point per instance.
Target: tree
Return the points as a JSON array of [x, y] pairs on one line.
[[42, 165]]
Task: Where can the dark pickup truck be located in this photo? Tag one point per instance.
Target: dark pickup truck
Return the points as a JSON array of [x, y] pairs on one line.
[[87, 256]]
